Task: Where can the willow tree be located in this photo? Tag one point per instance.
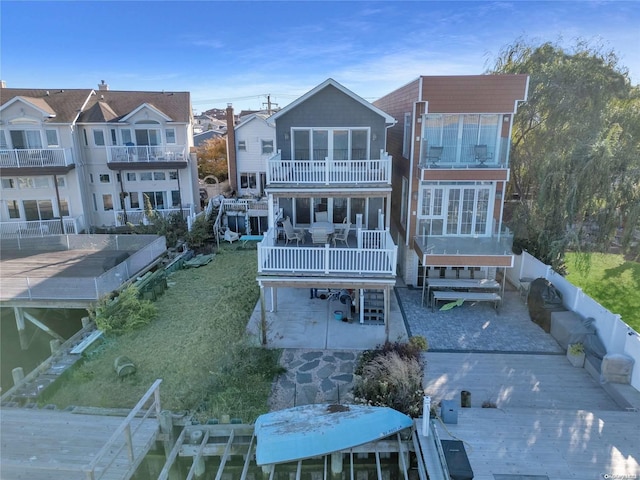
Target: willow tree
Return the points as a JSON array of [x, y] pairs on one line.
[[575, 158]]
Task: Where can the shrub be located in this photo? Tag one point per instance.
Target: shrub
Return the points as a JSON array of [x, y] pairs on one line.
[[124, 313], [391, 376]]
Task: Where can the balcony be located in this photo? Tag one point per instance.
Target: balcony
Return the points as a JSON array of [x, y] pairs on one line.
[[492, 250], [465, 157], [36, 161], [328, 171], [42, 228], [366, 253], [144, 157]]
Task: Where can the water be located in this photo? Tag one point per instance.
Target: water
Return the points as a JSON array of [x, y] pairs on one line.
[[65, 322]]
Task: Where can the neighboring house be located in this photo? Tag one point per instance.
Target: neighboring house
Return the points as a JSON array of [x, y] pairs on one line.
[[105, 150], [200, 138], [451, 167], [205, 122], [254, 145], [330, 171]]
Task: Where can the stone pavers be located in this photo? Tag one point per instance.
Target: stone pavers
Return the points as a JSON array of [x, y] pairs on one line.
[[476, 327]]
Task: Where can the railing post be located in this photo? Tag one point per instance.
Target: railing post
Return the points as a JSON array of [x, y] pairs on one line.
[[327, 252], [129, 440]]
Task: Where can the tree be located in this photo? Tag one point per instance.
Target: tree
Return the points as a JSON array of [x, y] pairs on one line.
[[575, 163], [212, 158]]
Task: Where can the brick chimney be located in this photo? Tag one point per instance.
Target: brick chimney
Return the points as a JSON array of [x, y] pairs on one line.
[[103, 86], [232, 164]]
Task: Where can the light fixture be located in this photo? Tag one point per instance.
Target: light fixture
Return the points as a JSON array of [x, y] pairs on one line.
[[286, 135], [374, 137]]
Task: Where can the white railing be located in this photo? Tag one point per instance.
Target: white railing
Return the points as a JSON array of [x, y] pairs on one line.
[[150, 153], [329, 171], [617, 336], [36, 157], [42, 228], [139, 217], [376, 254]]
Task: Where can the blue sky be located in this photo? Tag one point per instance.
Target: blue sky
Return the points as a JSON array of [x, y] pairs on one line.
[[237, 52]]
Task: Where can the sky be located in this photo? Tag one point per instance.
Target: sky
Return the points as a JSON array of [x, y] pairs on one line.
[[239, 52]]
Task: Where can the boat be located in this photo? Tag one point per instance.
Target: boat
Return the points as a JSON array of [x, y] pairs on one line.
[[314, 430]]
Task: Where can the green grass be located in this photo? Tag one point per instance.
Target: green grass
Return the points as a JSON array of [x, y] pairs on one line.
[[611, 281], [197, 345]]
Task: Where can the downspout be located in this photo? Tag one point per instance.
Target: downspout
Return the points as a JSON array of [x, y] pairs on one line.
[[123, 196]]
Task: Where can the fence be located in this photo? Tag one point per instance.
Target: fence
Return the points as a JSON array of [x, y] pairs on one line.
[[617, 336], [147, 248], [41, 228]]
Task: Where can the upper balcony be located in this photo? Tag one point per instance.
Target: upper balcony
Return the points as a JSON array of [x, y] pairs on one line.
[[145, 157], [329, 171], [36, 161], [464, 156]]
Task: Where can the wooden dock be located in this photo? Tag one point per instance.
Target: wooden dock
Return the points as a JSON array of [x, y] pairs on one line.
[[53, 445]]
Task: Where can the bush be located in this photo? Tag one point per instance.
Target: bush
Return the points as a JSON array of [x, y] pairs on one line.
[[124, 313], [391, 376]]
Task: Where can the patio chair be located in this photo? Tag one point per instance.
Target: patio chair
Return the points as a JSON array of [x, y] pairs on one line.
[[231, 236], [322, 216], [482, 154], [292, 233], [342, 234]]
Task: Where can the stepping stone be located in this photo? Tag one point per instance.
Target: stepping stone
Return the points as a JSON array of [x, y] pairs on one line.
[[311, 355], [325, 371], [309, 366], [302, 378]]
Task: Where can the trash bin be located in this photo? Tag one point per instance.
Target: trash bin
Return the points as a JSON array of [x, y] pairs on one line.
[[338, 315]]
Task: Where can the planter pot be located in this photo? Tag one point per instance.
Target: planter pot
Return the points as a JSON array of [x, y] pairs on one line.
[[577, 360]]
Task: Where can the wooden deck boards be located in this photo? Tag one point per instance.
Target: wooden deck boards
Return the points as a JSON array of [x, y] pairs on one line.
[[52, 445]]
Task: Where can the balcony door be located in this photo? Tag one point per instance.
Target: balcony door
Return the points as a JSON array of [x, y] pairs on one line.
[[337, 144], [23, 139]]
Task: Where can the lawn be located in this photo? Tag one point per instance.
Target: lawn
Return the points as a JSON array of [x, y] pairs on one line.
[[611, 281], [197, 345]]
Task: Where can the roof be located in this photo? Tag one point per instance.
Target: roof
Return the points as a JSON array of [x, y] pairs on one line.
[[65, 104], [330, 81], [175, 105], [246, 120], [200, 138]]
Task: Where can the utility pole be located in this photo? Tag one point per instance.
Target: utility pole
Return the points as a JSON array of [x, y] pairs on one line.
[[269, 104]]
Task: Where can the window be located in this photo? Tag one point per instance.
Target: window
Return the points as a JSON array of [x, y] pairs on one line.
[[14, 211], [64, 207], [145, 176], [404, 200], [175, 198], [52, 138], [3, 140], [267, 146], [114, 137], [126, 136], [37, 209], [459, 134], [338, 144], [8, 183], [105, 178], [61, 182], [159, 176], [107, 202], [171, 135], [248, 180], [33, 182], [173, 175], [98, 138], [95, 203], [146, 136], [84, 136], [91, 178], [22, 139], [134, 200], [406, 143], [242, 145], [156, 199], [131, 176], [455, 210]]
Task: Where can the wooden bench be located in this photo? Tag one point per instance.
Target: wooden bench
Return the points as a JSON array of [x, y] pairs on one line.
[[466, 296]]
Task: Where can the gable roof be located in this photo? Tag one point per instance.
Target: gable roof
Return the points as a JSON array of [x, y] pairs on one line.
[[261, 116], [64, 105], [117, 105], [330, 81]]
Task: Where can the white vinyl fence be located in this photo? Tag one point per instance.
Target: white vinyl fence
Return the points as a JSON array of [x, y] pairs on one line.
[[617, 336]]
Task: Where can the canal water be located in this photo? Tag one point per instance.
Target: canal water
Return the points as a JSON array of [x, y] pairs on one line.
[[65, 322]]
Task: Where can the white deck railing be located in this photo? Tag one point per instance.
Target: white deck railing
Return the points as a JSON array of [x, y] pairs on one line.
[[36, 157], [42, 228], [375, 254], [150, 153], [139, 217], [329, 171]]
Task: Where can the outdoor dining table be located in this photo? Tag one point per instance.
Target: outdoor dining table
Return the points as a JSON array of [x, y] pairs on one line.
[[462, 283], [325, 227]]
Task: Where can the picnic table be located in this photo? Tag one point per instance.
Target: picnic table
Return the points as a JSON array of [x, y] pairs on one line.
[[458, 284]]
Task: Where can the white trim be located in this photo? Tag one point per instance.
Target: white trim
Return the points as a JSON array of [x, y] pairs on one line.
[[388, 118], [142, 107]]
